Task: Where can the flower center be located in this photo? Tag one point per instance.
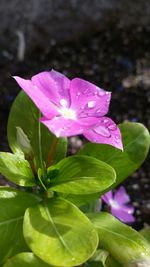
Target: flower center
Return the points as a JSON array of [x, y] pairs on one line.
[[68, 113], [114, 204]]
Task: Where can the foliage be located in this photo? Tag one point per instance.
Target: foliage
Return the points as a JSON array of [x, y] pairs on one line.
[[42, 220]]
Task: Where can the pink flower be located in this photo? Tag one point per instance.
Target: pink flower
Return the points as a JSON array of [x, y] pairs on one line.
[[72, 107], [119, 205]]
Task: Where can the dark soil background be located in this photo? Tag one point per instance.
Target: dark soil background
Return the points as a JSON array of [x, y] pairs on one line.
[[118, 62]]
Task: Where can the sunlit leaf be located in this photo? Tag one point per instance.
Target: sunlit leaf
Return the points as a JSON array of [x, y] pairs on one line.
[[59, 233], [13, 204], [25, 259], [16, 169], [82, 175], [136, 142], [124, 243]]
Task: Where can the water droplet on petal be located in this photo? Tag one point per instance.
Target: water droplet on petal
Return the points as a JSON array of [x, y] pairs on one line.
[[117, 137], [102, 131], [112, 127], [91, 104], [105, 120], [82, 107], [63, 102], [101, 92], [52, 126], [78, 93], [107, 93]]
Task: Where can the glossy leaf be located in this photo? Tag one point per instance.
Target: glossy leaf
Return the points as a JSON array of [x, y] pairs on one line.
[[13, 204], [59, 233], [82, 175], [146, 233], [124, 243], [25, 259], [136, 141], [44, 144], [102, 258], [16, 169]]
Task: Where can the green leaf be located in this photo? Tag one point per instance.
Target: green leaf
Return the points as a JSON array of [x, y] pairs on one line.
[[16, 169], [25, 259], [124, 243], [59, 233], [13, 204], [80, 200], [103, 259], [111, 262], [46, 147], [82, 175], [136, 141], [146, 233]]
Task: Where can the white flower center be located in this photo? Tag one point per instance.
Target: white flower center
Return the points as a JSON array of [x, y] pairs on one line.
[[68, 113], [114, 204]]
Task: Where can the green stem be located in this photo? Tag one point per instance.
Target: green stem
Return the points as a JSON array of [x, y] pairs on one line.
[[40, 154]]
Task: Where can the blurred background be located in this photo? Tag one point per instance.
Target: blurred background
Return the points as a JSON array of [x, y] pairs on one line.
[[104, 41]]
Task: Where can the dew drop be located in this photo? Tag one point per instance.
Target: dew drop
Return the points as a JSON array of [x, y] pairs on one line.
[[82, 107], [63, 102], [107, 93], [105, 120], [102, 131], [117, 137], [52, 126], [112, 127], [101, 92], [91, 104], [78, 93]]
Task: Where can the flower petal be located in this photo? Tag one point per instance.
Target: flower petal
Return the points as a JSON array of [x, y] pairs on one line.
[[54, 85], [88, 99], [37, 96], [107, 197], [122, 215], [121, 195], [64, 127], [105, 132]]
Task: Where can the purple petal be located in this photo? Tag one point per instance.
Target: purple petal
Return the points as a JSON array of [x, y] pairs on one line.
[[38, 97], [107, 197], [121, 196], [54, 85], [123, 215], [64, 127], [105, 132], [88, 100]]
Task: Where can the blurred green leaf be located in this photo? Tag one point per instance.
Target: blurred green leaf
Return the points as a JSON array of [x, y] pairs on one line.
[[82, 175], [16, 169], [146, 233], [59, 233], [102, 258], [25, 259], [136, 142], [124, 243], [45, 145], [13, 204]]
